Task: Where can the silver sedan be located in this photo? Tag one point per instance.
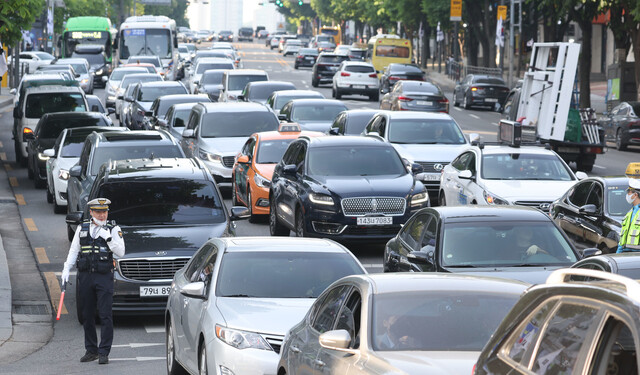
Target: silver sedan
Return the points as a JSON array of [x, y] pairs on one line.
[[398, 324], [230, 306]]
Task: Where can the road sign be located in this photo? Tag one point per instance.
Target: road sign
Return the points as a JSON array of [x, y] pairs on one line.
[[456, 10], [502, 12]]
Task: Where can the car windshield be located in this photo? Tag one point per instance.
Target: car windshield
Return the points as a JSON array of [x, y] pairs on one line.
[[183, 50], [238, 82], [163, 202], [105, 154], [270, 274], [54, 126], [163, 105], [271, 151], [180, 118], [262, 92], [212, 78], [44, 56], [425, 131], [447, 321], [524, 167], [490, 81], [309, 51], [39, 104], [356, 123], [237, 124], [281, 100], [191, 47], [616, 200], [316, 112], [149, 94], [92, 58], [504, 244], [119, 73], [133, 79], [348, 161]]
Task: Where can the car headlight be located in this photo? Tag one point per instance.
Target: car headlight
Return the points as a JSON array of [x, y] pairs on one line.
[[322, 199], [99, 72], [241, 339], [84, 81], [204, 155], [42, 156], [261, 181], [419, 199], [63, 174], [493, 199]]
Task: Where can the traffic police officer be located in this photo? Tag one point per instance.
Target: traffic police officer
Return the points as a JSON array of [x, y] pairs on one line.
[[630, 233], [92, 249]]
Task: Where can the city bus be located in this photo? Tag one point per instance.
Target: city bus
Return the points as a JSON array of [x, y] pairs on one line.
[[385, 49], [152, 36], [333, 31], [87, 30]]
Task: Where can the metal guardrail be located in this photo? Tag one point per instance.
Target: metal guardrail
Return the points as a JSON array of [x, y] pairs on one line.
[[23, 69], [457, 71]]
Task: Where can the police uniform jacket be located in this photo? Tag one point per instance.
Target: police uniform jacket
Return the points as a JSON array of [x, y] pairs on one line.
[[116, 245]]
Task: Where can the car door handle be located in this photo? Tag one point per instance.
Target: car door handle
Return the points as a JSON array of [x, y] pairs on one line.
[[295, 349], [319, 363]]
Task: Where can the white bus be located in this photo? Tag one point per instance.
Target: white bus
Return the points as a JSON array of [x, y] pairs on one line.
[[150, 35]]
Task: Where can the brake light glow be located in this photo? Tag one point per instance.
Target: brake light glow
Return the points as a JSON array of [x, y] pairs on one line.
[[393, 78], [27, 131], [373, 75], [345, 74], [404, 99], [474, 89]]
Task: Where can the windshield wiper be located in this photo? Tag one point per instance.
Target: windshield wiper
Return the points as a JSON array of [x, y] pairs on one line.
[[531, 265]]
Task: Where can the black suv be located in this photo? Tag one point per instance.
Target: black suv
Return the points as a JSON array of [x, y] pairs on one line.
[[579, 322], [49, 128], [325, 67], [167, 208], [245, 33], [343, 188]]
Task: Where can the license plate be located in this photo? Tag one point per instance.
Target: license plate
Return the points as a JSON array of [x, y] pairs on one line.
[[570, 150], [155, 291], [424, 102], [309, 58], [431, 177], [491, 100], [333, 68], [375, 220], [359, 86]]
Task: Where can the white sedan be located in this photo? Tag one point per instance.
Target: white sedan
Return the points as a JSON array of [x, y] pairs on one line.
[[355, 77], [502, 175]]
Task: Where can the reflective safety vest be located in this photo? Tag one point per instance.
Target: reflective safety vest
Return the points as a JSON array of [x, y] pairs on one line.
[[630, 233], [95, 255]]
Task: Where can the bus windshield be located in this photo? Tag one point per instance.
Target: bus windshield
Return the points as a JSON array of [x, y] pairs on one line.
[[73, 38], [146, 42]]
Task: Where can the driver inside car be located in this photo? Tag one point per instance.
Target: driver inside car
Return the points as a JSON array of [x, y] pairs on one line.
[[524, 242]]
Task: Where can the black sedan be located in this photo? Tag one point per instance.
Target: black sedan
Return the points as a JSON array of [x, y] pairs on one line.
[[625, 264], [326, 66], [259, 91], [622, 124], [480, 90], [591, 212], [352, 122], [343, 188], [306, 57], [400, 72], [415, 96], [511, 242], [225, 36]]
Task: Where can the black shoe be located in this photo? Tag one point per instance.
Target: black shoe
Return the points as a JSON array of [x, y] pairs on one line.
[[88, 357], [104, 359]]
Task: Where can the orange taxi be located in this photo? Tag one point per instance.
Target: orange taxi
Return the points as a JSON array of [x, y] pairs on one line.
[[254, 165]]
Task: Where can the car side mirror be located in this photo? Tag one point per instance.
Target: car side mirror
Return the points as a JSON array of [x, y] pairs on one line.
[[105, 79], [194, 290], [474, 137], [581, 175], [187, 133], [239, 213], [49, 152], [338, 339], [77, 75], [243, 159], [420, 257], [466, 175], [75, 171], [162, 122], [121, 97], [74, 218], [416, 168], [290, 169], [128, 99], [148, 113], [111, 110], [13, 91], [334, 131], [282, 117], [589, 252], [588, 209], [240, 97]]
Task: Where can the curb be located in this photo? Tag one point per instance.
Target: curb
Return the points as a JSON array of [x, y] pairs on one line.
[[6, 327]]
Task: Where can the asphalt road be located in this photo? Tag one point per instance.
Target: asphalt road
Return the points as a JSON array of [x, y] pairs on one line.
[[139, 342]]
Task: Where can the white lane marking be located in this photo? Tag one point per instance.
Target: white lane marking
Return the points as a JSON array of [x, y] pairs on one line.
[[458, 109], [139, 359], [474, 116], [138, 345], [599, 167], [306, 85], [154, 329]]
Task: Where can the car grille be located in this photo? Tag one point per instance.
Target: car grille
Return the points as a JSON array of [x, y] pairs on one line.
[[373, 205], [150, 269], [430, 167], [228, 161], [387, 230], [541, 205], [275, 341]]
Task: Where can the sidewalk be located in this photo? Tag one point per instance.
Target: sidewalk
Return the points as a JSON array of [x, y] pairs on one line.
[[26, 318]]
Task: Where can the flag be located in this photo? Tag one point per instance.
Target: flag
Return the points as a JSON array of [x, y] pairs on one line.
[[439, 34], [3, 65], [499, 34]]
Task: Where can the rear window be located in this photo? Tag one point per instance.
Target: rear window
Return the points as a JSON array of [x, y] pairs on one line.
[[421, 87], [163, 105], [281, 100], [149, 94], [263, 91], [316, 112], [53, 127], [119, 73], [309, 51], [238, 82], [332, 59], [148, 60], [398, 68], [490, 81], [392, 51], [128, 80], [40, 104], [325, 38], [359, 69]]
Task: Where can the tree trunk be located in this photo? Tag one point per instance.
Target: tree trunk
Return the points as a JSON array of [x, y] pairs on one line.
[[426, 50], [489, 27], [472, 49], [585, 64], [635, 40]]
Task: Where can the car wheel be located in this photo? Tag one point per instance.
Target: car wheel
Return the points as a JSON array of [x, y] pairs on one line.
[[295, 66], [275, 228], [467, 103], [252, 218], [455, 100], [620, 146], [338, 93], [202, 364], [300, 228], [19, 158], [442, 200], [314, 82], [49, 196], [173, 367]]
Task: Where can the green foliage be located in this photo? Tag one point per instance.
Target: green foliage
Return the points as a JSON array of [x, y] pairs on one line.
[[18, 15], [437, 11], [78, 8], [176, 11]]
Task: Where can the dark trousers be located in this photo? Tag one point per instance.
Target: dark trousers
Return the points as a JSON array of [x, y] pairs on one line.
[[96, 291]]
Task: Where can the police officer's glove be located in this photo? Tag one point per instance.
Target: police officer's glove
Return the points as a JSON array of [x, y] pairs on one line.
[[105, 234], [65, 276]]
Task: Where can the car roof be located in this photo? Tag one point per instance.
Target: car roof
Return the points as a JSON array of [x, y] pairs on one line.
[[86, 130], [246, 72], [460, 214], [57, 115], [143, 57], [115, 139], [142, 75], [298, 92], [361, 112], [281, 244], [180, 106], [506, 149], [360, 63], [135, 65], [416, 115], [214, 60], [347, 140], [234, 107], [171, 97], [270, 83], [43, 77], [54, 88], [70, 60], [316, 101], [161, 84], [436, 282], [156, 169]]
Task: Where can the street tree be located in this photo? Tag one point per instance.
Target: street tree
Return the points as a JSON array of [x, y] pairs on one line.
[[18, 15], [176, 11], [78, 8]]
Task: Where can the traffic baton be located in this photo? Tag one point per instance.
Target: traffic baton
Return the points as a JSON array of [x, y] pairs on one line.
[[64, 288]]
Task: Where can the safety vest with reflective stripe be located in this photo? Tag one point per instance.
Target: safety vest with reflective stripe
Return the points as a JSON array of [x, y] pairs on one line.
[[95, 255], [630, 233]]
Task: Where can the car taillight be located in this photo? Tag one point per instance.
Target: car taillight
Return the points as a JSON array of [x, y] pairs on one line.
[[404, 99], [474, 89], [373, 75], [443, 100], [593, 150], [345, 74], [393, 78]]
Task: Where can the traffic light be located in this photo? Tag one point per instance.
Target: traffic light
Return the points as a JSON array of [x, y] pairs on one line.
[[300, 2]]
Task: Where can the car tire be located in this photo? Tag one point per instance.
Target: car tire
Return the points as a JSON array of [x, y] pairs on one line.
[[455, 100], [314, 82], [585, 166], [374, 97], [300, 227], [202, 362], [19, 158], [467, 104], [620, 146], [173, 367], [49, 196], [442, 199], [275, 228], [252, 218], [338, 94], [58, 209], [295, 66], [29, 169]]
